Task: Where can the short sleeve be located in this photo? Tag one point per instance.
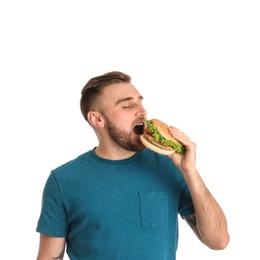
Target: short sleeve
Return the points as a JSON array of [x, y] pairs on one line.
[[53, 217], [186, 206]]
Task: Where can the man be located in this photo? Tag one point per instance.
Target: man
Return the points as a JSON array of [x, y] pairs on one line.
[[120, 200]]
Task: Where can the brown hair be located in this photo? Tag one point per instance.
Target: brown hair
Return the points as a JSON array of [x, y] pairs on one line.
[[92, 90]]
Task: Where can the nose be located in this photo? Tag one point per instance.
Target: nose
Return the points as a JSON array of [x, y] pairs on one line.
[[141, 112]]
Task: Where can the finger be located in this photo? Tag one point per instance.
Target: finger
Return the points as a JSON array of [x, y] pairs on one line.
[[179, 135]]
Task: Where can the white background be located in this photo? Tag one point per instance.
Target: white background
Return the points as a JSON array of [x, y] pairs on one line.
[[197, 65]]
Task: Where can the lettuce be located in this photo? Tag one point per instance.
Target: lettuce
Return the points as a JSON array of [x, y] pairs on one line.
[[179, 148]]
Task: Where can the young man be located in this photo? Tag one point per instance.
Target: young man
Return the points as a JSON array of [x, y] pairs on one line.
[[120, 200]]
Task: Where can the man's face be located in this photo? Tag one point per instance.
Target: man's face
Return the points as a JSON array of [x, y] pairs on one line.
[[124, 115]]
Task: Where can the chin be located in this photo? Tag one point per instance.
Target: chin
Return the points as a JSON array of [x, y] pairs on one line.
[[139, 146]]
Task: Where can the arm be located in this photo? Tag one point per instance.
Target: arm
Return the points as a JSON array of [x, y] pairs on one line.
[[51, 248], [209, 222]]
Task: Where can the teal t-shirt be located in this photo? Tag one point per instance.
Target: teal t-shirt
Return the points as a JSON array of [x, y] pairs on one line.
[[116, 210]]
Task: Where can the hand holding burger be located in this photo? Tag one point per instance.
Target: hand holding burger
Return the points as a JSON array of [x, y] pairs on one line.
[[158, 138]]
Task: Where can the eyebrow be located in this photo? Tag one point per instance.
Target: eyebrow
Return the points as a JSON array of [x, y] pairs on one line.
[[127, 99]]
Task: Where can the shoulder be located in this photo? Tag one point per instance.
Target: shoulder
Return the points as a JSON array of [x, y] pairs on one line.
[[70, 166]]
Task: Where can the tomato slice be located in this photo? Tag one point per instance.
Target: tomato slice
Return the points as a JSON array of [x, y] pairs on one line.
[[148, 131]]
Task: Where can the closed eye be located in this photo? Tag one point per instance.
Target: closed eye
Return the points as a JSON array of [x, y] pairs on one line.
[[128, 106]]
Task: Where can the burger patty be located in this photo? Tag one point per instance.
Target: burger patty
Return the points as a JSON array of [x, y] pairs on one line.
[[162, 146]]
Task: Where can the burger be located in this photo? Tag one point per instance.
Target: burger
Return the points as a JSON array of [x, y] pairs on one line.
[[157, 137]]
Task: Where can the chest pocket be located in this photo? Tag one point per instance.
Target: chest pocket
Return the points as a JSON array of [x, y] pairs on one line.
[[153, 209]]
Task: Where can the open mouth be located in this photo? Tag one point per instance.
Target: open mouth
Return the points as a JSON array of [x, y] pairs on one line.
[[139, 129]]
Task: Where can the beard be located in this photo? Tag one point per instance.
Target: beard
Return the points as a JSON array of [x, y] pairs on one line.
[[122, 138]]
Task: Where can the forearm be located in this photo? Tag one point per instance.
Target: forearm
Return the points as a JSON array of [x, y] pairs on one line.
[[210, 223]]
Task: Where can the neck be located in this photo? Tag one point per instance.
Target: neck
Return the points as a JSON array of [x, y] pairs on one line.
[[113, 153]]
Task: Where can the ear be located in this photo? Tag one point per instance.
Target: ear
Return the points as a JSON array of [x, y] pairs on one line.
[[95, 119]]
